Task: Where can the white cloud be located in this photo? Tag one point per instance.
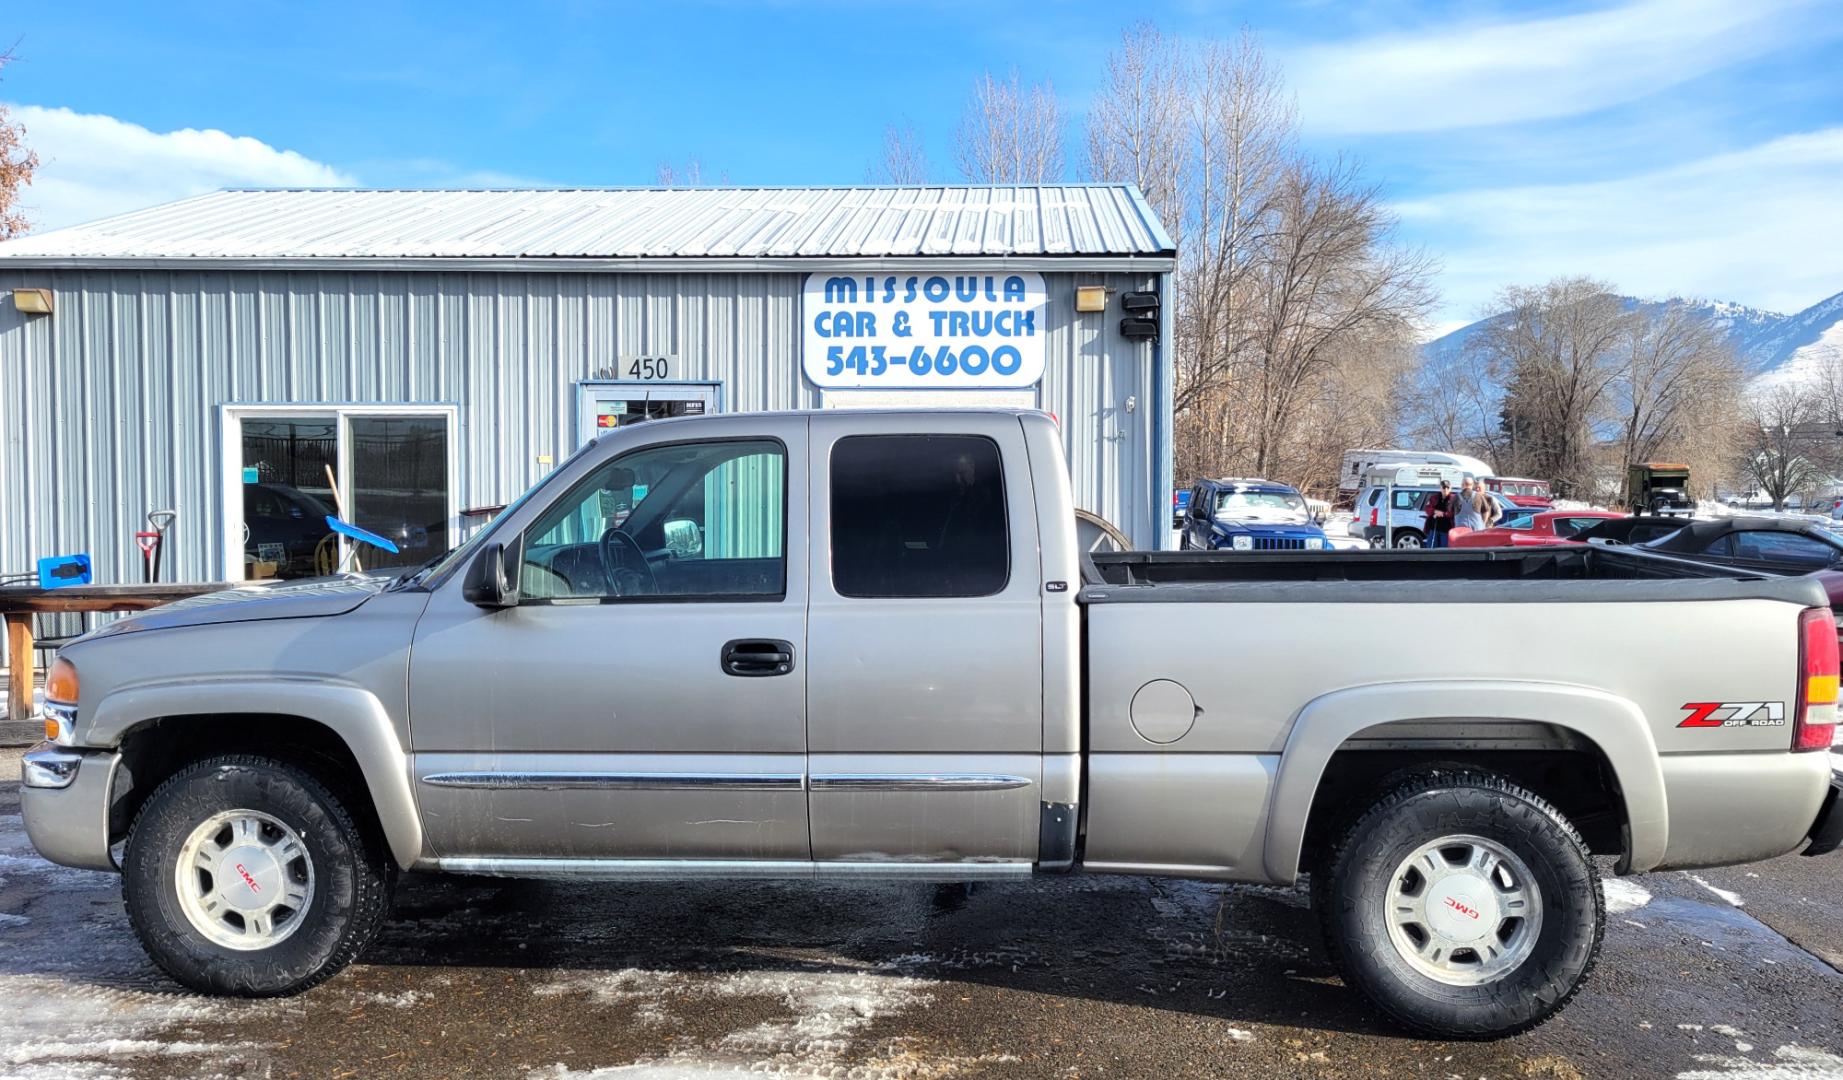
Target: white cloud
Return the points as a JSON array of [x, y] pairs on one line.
[[92, 166], [1492, 73], [1757, 225]]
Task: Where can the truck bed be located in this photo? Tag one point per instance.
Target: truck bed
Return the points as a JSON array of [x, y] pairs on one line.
[[1449, 576]]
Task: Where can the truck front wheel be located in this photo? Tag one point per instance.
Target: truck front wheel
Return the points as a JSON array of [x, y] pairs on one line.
[[1463, 906], [247, 876]]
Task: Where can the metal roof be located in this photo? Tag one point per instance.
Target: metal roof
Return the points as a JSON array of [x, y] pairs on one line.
[[729, 228]]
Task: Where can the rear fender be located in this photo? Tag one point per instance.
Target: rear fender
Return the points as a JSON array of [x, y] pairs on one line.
[[1614, 724]]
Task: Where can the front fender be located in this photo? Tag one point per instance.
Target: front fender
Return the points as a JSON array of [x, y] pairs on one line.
[[350, 712], [1612, 723]]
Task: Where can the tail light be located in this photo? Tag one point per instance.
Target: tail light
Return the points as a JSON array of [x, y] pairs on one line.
[[1375, 516], [1815, 718]]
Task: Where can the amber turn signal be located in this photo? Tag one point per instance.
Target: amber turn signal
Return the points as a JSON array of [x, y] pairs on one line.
[[61, 683]]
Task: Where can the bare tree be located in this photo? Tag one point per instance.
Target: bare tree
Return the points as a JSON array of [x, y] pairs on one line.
[[1328, 280], [903, 161], [1010, 134], [1137, 122], [17, 163], [1296, 312], [1779, 422], [1674, 392], [1556, 346], [690, 174]]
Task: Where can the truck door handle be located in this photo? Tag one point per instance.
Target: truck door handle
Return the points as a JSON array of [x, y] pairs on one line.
[[757, 657]]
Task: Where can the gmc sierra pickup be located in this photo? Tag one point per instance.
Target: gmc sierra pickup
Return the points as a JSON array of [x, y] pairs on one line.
[[845, 644]]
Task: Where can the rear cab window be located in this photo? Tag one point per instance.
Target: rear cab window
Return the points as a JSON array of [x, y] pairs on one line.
[[919, 516]]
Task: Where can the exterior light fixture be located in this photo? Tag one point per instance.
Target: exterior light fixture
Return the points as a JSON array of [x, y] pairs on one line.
[[32, 301], [1090, 298]]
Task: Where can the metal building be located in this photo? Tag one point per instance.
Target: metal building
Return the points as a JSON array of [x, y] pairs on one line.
[[254, 359]]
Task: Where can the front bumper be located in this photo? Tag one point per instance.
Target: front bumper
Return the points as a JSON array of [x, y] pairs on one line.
[[1827, 831], [64, 798]]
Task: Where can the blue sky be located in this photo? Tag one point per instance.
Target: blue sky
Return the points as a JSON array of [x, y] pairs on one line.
[[1670, 146]]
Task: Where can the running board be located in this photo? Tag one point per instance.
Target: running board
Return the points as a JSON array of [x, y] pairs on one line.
[[729, 869]]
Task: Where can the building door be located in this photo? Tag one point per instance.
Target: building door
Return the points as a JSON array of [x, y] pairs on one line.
[[604, 406], [287, 470]]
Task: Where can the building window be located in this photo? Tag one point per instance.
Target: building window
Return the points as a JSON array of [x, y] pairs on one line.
[[918, 516], [386, 471]]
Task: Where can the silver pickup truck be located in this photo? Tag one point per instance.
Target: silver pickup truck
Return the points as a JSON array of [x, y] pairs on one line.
[[851, 644]]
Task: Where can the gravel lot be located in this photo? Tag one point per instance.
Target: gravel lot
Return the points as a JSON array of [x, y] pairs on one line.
[[1723, 974]]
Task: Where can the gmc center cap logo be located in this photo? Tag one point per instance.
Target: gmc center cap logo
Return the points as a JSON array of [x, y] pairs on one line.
[[1726, 714]]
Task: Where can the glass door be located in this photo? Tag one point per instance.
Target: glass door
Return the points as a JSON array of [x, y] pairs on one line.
[[604, 406], [384, 471], [399, 485]]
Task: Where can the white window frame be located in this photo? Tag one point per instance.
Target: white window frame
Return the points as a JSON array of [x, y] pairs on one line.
[[230, 458]]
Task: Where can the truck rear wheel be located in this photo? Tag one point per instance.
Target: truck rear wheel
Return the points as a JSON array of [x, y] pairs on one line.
[[1463, 906], [247, 876]]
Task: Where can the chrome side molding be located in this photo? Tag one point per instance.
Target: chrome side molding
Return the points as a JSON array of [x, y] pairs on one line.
[[918, 782], [616, 781], [731, 869]]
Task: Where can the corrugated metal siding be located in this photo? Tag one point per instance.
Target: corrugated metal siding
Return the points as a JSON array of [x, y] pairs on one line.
[[1075, 219], [111, 406]]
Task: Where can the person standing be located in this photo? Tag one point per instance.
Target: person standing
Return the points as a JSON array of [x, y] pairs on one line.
[[1472, 504], [1441, 508]]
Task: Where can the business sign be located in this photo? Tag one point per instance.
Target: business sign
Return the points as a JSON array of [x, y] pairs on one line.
[[923, 331]]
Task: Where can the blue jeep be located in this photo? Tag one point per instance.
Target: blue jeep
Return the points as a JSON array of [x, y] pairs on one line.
[[1250, 515]]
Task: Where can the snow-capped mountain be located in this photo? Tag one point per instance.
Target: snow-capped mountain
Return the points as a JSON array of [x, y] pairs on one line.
[[1803, 346], [1772, 347]]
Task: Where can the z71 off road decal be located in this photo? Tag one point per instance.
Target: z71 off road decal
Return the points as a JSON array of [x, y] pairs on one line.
[[1734, 714]]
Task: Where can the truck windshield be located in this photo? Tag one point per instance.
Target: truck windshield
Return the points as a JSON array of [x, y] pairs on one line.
[[1235, 503]]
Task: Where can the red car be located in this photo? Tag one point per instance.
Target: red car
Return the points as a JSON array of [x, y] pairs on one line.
[[1548, 527]]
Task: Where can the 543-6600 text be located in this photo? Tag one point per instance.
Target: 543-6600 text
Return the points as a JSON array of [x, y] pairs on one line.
[[942, 360]]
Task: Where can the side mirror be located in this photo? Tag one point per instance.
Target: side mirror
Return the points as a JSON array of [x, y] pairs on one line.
[[684, 540], [490, 582]]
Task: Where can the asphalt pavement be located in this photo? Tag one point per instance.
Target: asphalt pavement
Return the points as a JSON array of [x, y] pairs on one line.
[[1720, 974]]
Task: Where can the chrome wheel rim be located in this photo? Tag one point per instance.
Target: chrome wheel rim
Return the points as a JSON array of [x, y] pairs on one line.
[[245, 879], [1407, 541], [1464, 910]]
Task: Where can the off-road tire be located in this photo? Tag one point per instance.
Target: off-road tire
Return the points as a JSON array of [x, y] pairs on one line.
[[354, 877], [1352, 883]]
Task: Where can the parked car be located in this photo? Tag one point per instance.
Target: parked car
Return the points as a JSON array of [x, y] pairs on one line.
[[1250, 515], [1548, 527], [1520, 490], [1631, 529], [1782, 545], [920, 676], [285, 534], [1180, 506]]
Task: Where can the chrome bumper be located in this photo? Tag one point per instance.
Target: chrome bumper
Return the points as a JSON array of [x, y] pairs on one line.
[[64, 798], [49, 766]]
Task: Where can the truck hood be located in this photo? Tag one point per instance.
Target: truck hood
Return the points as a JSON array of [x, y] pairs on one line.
[[316, 598]]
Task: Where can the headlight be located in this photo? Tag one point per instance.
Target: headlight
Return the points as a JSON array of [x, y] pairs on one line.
[[61, 700], [1316, 543], [1244, 542]]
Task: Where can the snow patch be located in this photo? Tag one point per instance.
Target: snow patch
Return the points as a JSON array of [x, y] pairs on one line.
[[1732, 898], [827, 1014], [1788, 1063], [1623, 896]]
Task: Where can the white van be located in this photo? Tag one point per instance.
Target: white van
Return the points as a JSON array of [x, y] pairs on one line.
[[1404, 487], [1358, 462]]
